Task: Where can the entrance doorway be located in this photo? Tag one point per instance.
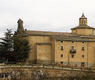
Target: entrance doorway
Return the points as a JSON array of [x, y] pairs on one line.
[[82, 64]]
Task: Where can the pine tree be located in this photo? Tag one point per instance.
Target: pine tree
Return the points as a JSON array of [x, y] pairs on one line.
[[21, 48], [14, 48], [6, 46]]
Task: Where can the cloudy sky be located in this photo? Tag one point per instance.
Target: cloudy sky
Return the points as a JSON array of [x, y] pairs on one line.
[[48, 15]]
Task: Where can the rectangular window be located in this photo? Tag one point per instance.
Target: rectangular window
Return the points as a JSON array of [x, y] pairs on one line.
[[62, 55], [82, 48], [62, 48], [72, 47], [82, 56], [61, 41], [72, 56], [61, 62], [82, 41]]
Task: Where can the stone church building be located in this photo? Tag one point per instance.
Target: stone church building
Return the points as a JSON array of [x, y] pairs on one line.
[[75, 48]]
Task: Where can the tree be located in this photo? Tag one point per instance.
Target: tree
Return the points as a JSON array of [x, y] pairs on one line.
[[6, 46], [14, 48], [21, 48]]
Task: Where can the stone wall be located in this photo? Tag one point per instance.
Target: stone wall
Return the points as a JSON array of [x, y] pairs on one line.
[[46, 73]]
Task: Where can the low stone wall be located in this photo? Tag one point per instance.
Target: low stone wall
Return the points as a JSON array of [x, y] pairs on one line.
[[18, 72]]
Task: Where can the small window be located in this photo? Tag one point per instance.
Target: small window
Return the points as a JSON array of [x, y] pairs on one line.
[[83, 42], [72, 47], [62, 48], [83, 48], [72, 41], [82, 56], [61, 41], [61, 62], [72, 56], [62, 55]]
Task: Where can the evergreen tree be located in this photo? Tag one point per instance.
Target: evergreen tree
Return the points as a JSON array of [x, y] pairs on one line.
[[6, 46], [14, 48], [21, 48]]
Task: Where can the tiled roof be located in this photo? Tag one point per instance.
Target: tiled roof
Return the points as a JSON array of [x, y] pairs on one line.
[[46, 33], [61, 36], [82, 27], [74, 38]]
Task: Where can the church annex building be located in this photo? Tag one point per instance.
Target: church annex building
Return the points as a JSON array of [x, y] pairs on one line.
[[75, 48]]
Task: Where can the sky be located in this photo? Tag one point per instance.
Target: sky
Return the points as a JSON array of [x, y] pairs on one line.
[[45, 15]]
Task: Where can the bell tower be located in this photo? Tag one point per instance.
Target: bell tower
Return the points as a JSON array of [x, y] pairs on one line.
[[83, 28], [20, 28], [82, 20]]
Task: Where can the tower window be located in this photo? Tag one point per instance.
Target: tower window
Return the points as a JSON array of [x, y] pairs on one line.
[[62, 48], [82, 48], [62, 55], [84, 21]]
